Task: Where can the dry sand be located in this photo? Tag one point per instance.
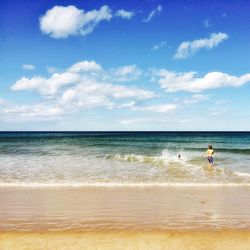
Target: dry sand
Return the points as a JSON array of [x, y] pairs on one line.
[[153, 240]]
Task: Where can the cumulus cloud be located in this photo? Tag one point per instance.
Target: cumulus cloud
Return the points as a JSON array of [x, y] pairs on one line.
[[85, 66], [124, 14], [125, 73], [83, 85], [189, 81], [61, 22], [50, 86], [46, 86], [28, 67], [105, 94], [85, 73], [84, 97], [153, 13], [189, 48]]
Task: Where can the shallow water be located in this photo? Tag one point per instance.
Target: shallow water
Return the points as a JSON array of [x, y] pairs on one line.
[[123, 158]]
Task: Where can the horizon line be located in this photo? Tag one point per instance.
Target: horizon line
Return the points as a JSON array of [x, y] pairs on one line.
[[123, 131]]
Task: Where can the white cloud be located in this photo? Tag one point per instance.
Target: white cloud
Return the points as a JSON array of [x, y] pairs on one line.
[[125, 73], [189, 48], [159, 108], [28, 67], [188, 81], [83, 97], [82, 86], [61, 22], [159, 46], [125, 14], [46, 86], [153, 13], [106, 93], [85, 66], [86, 73]]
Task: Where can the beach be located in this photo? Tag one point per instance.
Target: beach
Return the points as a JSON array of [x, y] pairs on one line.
[[205, 240], [194, 217], [124, 191], [124, 125]]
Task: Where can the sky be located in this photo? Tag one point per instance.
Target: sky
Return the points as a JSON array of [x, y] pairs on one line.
[[135, 65]]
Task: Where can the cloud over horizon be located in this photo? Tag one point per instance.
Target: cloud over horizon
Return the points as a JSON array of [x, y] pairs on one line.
[[188, 81], [87, 85], [83, 85]]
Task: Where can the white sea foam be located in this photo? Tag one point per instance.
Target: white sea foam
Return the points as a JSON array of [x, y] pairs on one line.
[[242, 174]]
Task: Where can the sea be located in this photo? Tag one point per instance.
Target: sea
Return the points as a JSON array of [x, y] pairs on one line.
[[123, 158]]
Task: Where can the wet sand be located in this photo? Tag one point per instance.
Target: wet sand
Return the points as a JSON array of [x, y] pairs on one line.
[[124, 208], [125, 218]]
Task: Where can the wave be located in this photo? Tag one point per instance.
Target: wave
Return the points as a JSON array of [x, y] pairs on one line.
[[155, 160], [162, 159], [242, 174], [188, 165]]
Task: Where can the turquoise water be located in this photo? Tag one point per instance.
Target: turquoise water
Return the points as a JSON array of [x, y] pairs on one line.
[[123, 158]]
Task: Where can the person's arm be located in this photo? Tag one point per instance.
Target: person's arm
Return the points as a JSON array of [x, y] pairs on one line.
[[205, 154]]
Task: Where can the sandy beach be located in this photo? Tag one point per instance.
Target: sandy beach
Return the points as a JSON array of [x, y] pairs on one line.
[[208, 217], [125, 208], [205, 240]]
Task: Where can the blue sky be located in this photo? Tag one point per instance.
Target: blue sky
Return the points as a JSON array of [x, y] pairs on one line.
[[125, 65]]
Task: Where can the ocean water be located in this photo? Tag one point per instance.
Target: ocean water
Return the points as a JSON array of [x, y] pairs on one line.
[[123, 158]]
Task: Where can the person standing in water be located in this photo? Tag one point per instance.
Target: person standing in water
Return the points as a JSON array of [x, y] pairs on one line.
[[209, 155]]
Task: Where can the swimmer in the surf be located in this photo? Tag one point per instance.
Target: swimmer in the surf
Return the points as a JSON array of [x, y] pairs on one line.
[[209, 155]]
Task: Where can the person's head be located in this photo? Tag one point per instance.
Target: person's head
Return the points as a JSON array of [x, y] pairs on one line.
[[210, 147]]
